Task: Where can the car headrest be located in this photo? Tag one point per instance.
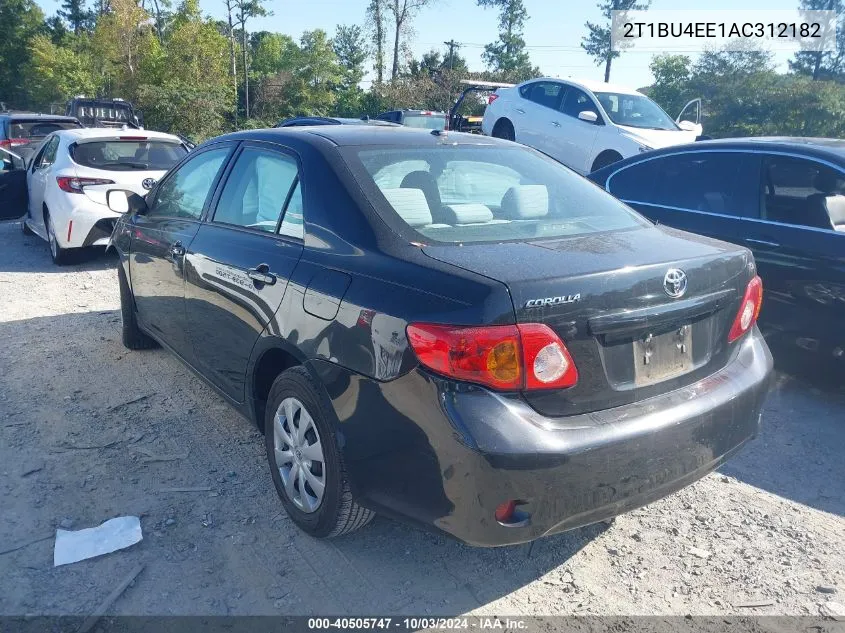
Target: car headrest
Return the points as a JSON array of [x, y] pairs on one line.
[[836, 210], [468, 213], [410, 204], [526, 202], [825, 181]]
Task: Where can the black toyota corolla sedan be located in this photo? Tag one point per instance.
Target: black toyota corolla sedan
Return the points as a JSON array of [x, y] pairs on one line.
[[446, 328]]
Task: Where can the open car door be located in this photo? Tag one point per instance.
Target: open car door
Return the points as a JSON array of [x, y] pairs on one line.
[[472, 124], [690, 117], [13, 193]]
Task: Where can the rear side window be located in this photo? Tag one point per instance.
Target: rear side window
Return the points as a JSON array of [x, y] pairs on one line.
[[545, 93], [712, 182], [38, 129], [127, 155], [257, 190], [425, 121], [474, 194]]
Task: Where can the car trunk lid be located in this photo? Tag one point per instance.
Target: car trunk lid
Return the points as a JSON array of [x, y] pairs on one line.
[[607, 297]]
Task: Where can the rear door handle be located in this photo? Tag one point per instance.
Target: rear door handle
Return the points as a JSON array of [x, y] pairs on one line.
[[750, 240], [520, 110], [177, 250], [261, 274]]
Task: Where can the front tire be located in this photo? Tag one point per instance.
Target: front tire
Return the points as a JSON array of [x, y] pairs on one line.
[[60, 255], [605, 158], [133, 337], [305, 463]]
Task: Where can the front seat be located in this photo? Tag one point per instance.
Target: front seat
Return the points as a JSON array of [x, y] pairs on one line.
[[425, 181], [817, 214]]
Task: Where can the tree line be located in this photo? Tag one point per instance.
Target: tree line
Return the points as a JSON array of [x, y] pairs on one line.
[[198, 76]]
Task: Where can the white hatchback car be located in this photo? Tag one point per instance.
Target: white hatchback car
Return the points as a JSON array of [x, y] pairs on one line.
[[70, 173], [586, 125]]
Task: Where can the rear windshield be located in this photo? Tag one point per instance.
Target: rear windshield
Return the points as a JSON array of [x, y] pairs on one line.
[[468, 193], [38, 129], [425, 121], [127, 155]]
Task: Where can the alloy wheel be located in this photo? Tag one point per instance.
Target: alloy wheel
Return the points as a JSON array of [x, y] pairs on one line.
[[299, 455]]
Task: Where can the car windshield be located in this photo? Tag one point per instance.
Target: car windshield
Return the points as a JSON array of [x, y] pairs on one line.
[[128, 155], [458, 194], [635, 111], [425, 121]]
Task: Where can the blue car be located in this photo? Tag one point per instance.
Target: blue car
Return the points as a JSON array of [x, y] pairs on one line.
[[784, 198]]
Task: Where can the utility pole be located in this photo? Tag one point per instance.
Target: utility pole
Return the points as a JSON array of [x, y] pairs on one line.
[[452, 44]]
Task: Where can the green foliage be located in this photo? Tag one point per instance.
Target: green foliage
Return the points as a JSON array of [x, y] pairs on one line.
[[597, 41], [744, 96], [78, 17], [56, 72], [20, 22], [823, 64], [507, 55]]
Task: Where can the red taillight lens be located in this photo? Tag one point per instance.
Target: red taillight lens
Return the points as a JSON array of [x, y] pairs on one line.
[[492, 98], [505, 357], [13, 142], [749, 309], [75, 185]]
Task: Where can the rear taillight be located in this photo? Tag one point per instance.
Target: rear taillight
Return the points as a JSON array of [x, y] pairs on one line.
[[72, 184], [492, 98], [505, 357], [13, 142], [749, 309]]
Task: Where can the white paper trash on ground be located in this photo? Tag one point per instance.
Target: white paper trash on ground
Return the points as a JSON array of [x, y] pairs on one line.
[[114, 534]]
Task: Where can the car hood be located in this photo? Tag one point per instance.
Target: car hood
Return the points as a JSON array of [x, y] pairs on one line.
[[657, 139]]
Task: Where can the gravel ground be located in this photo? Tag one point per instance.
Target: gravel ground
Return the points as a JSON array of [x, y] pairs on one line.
[[90, 431]]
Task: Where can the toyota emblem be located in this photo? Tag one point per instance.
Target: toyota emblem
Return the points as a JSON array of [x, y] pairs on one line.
[[675, 283], [148, 183]]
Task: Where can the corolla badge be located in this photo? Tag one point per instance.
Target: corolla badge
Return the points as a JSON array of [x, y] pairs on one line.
[[552, 301], [148, 183], [675, 283]]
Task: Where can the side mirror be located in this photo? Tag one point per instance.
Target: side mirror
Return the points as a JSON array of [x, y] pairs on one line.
[[122, 201], [689, 126], [588, 116]]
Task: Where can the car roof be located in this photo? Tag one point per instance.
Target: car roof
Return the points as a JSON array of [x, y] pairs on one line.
[[37, 116], [300, 121], [105, 132], [363, 134], [591, 85], [829, 149]]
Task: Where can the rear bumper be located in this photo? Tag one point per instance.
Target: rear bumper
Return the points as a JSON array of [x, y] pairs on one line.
[[92, 222], [454, 453]]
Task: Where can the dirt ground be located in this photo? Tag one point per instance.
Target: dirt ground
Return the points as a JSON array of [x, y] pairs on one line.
[[90, 431]]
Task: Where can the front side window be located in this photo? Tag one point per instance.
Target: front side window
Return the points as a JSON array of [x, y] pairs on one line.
[[712, 182], [545, 93], [475, 194], [138, 155], [577, 101], [184, 192], [803, 192], [48, 154], [635, 111], [256, 190]]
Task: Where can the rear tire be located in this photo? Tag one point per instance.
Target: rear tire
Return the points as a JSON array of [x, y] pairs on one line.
[[60, 256], [132, 335], [324, 513], [504, 130]]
